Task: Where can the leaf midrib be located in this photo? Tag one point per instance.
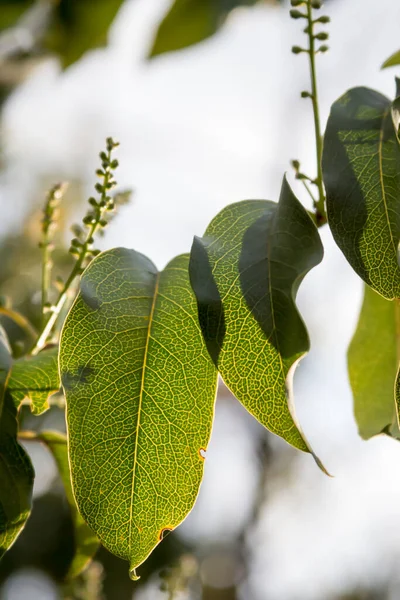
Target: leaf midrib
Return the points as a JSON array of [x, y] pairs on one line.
[[146, 351], [380, 154]]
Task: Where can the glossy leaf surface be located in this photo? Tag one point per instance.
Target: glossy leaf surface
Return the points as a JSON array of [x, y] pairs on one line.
[[140, 390], [86, 543], [361, 165], [36, 378], [245, 272], [192, 21], [373, 365]]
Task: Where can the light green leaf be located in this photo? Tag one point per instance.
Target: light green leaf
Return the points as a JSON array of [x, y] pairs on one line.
[[245, 272], [36, 378], [86, 543], [361, 165], [192, 21], [140, 390], [16, 478], [372, 362], [392, 61]]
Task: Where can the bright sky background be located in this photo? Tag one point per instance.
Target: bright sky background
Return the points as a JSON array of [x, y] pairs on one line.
[[200, 129]]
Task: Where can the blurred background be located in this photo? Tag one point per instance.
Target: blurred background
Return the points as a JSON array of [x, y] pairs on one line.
[[200, 126]]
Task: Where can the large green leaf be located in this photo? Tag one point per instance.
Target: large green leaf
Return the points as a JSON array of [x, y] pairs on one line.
[[16, 478], [86, 543], [36, 378], [361, 165], [245, 272], [392, 61], [192, 21], [372, 361], [140, 390]]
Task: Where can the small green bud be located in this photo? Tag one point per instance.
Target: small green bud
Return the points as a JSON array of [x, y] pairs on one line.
[[74, 251], [88, 220], [323, 49], [103, 157], [99, 188], [297, 50], [75, 242], [316, 4], [296, 14], [77, 230], [321, 36], [114, 164], [296, 164], [110, 205], [103, 223], [296, 2], [95, 252], [93, 201], [90, 240], [102, 203], [100, 173], [306, 95], [325, 19]]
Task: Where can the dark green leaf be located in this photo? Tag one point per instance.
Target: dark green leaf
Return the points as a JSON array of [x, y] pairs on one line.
[[372, 361], [245, 272], [16, 479], [79, 26], [192, 21], [392, 61], [361, 164], [86, 543], [36, 378], [140, 390]]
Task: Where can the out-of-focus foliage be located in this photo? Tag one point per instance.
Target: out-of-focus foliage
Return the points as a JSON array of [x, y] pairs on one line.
[[67, 27], [192, 21], [372, 373]]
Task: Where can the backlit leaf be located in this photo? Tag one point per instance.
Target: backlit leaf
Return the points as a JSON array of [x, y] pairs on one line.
[[36, 378], [245, 272], [361, 164], [140, 390], [373, 365], [86, 543]]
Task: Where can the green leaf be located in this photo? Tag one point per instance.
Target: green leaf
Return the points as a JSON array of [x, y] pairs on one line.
[[372, 362], [36, 378], [245, 272], [86, 543], [79, 26], [361, 165], [140, 390], [16, 479], [392, 61], [192, 21]]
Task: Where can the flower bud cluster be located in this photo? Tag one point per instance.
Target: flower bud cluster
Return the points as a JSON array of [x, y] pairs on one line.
[[295, 13], [101, 208]]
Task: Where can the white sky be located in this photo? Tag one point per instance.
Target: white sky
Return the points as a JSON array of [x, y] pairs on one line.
[[200, 129]]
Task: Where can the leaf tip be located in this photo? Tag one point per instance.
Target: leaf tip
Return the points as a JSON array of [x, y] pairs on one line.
[[133, 575]]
